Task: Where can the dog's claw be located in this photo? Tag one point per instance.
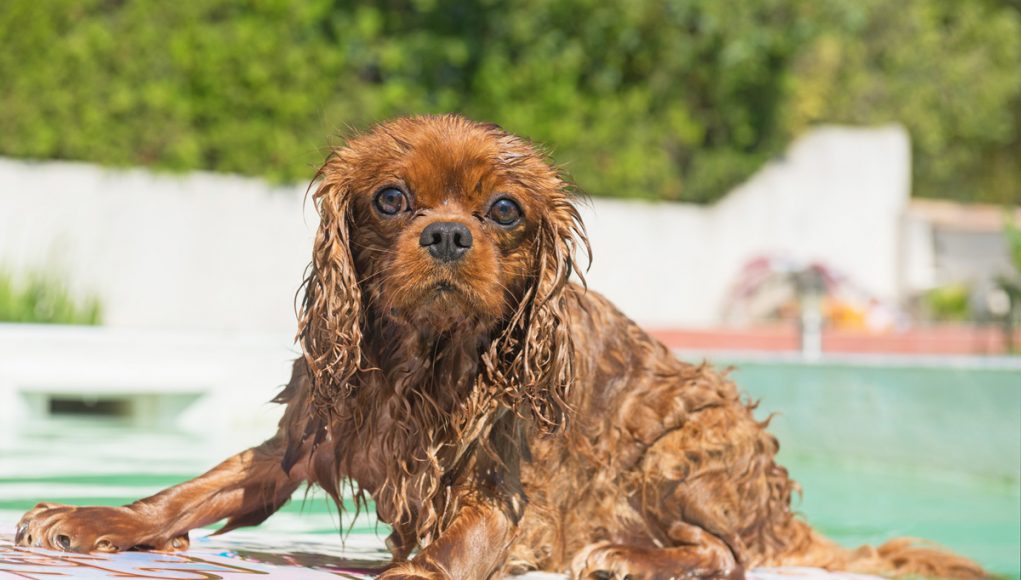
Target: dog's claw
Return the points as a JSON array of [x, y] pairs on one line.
[[180, 542], [63, 542], [19, 535]]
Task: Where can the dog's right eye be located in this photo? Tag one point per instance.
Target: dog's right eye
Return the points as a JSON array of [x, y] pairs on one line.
[[391, 201]]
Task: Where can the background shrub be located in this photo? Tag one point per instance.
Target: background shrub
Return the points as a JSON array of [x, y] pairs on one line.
[[660, 99], [44, 298]]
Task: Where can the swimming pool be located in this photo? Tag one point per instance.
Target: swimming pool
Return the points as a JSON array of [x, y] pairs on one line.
[[882, 447], [901, 446]]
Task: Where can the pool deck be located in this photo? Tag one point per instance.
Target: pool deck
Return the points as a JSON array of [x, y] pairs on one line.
[[244, 554]]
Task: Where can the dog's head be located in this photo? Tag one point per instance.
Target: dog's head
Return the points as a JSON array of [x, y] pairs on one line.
[[442, 225]]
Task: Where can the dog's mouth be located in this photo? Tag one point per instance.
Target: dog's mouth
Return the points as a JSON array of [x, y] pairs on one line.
[[440, 301], [445, 294], [439, 305]]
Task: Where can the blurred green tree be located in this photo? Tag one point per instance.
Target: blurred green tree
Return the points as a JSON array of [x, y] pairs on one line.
[[655, 99]]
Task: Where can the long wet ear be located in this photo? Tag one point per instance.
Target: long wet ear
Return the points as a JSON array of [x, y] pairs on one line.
[[533, 361], [330, 317]]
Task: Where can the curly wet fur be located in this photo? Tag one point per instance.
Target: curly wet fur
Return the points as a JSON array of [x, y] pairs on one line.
[[501, 417], [522, 364]]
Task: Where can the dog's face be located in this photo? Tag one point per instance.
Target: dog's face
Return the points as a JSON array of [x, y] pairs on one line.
[[446, 217], [443, 226]]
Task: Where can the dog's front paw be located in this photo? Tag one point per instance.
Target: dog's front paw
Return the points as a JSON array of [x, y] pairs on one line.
[[602, 561], [608, 561], [413, 571], [91, 529]]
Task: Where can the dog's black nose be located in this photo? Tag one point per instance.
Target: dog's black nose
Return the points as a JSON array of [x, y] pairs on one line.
[[446, 241]]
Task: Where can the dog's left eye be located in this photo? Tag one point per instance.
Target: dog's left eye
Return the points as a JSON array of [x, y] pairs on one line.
[[505, 212], [391, 201]]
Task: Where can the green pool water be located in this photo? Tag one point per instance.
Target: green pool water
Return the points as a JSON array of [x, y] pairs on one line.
[[870, 504], [882, 451], [889, 447]]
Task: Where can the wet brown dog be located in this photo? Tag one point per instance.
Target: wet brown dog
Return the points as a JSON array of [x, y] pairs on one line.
[[502, 418]]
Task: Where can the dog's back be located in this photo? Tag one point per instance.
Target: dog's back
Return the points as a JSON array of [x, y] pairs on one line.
[[665, 465]]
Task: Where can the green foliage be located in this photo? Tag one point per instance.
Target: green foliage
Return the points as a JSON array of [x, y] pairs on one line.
[[670, 99], [948, 303], [44, 298]]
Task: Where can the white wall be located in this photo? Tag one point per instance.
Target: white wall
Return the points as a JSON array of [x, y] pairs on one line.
[[213, 252], [200, 251], [837, 197]]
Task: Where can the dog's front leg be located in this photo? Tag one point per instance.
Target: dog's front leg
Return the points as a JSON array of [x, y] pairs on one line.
[[473, 547], [246, 488]]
